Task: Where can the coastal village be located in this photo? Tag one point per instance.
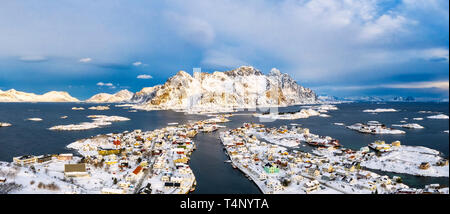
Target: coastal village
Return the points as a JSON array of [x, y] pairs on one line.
[[153, 162], [327, 169], [275, 159]]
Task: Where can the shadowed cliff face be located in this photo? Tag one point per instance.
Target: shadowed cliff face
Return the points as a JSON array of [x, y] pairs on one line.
[[242, 87]]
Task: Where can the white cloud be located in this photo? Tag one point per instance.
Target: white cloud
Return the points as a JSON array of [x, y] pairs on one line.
[[85, 60], [191, 28], [315, 40], [137, 63], [435, 53], [105, 84], [144, 76], [385, 24]]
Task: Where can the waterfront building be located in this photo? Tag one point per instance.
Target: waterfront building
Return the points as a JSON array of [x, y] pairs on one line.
[[25, 160], [65, 157]]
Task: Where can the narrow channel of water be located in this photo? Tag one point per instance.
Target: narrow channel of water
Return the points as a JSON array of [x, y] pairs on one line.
[[213, 175]]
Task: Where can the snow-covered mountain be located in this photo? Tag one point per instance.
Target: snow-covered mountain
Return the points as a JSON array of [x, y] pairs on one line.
[[121, 96], [52, 96], [244, 87], [329, 99], [145, 95], [380, 99], [402, 99], [364, 99]]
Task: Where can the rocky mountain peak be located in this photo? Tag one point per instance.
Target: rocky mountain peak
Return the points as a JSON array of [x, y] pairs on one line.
[[274, 72], [242, 87], [243, 71], [183, 74], [121, 96]]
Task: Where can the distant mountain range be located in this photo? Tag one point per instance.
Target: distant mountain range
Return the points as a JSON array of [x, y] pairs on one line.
[[244, 87], [334, 99], [52, 96]]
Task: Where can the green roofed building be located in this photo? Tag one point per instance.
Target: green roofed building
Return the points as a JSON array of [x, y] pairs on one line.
[[271, 169]]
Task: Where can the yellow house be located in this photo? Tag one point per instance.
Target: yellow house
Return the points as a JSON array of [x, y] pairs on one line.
[[385, 147], [396, 143], [144, 163], [108, 152], [26, 159], [110, 162], [234, 153], [181, 160], [330, 169], [380, 142]]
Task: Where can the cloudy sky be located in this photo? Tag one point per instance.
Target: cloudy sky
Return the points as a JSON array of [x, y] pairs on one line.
[[341, 48]]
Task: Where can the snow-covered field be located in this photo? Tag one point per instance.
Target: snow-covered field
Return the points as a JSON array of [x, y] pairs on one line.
[[406, 159], [46, 178]]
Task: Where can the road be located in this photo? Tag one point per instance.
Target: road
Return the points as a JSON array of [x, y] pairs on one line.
[[146, 172]]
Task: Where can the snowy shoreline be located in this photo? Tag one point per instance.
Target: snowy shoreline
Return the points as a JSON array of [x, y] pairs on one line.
[[98, 122]]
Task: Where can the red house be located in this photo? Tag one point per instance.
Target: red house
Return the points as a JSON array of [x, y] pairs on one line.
[[137, 170]]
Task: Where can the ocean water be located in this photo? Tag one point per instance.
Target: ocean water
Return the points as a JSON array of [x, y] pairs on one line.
[[212, 173]]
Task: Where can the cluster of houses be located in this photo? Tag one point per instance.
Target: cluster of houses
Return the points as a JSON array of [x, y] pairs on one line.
[[382, 146], [152, 162], [293, 137], [276, 169]]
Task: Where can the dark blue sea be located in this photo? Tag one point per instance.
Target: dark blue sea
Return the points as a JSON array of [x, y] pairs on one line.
[[212, 173]]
